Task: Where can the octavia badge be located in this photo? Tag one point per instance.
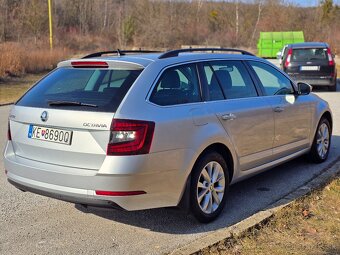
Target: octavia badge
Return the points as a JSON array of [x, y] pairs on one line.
[[44, 116]]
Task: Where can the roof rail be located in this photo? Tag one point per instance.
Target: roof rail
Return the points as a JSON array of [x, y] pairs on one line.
[[174, 53], [118, 52]]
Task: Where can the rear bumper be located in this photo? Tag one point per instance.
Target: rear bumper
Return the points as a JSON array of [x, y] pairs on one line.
[[163, 188], [315, 81], [26, 185]]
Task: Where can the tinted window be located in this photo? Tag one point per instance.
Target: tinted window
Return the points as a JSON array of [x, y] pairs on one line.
[[309, 54], [214, 88], [177, 85], [228, 78], [274, 82], [102, 88]]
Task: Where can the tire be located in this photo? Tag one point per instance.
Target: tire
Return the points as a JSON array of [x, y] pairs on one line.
[[332, 88], [321, 143], [207, 199]]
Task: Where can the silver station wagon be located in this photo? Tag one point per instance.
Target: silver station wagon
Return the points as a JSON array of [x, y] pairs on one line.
[[139, 130]]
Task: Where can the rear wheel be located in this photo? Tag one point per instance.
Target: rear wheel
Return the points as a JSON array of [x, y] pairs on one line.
[[209, 186], [332, 88], [322, 142]]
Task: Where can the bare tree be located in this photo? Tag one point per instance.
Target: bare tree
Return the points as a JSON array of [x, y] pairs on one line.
[[35, 18], [257, 21], [88, 24], [105, 15], [236, 20]]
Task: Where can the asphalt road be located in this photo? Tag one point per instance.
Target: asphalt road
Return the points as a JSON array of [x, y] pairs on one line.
[[32, 224]]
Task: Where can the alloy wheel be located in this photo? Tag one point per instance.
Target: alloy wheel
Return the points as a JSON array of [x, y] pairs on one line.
[[322, 140], [210, 187]]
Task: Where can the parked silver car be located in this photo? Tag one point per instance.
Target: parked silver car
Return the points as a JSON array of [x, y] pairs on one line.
[[149, 130]]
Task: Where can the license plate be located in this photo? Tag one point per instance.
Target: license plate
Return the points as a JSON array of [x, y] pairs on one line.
[[310, 68], [50, 134]]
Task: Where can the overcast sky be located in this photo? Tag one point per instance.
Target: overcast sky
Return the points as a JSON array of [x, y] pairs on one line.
[[309, 2]]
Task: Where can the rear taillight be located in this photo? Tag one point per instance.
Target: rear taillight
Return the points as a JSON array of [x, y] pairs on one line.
[[119, 193], [330, 58], [130, 137], [289, 56], [9, 136], [89, 64]]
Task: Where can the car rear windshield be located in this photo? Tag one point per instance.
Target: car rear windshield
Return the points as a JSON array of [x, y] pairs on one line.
[[81, 89], [309, 54]]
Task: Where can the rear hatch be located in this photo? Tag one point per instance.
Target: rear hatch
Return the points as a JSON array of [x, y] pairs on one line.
[[310, 62], [65, 118]]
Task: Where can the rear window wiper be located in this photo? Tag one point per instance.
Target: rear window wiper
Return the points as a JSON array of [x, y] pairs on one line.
[[69, 103]]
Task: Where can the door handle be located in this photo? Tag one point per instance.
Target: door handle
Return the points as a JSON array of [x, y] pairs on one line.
[[228, 116], [279, 109]]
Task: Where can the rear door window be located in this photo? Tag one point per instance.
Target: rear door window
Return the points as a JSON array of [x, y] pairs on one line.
[[94, 89], [228, 79]]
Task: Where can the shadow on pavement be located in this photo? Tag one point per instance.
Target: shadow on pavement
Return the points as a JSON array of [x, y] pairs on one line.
[[244, 199]]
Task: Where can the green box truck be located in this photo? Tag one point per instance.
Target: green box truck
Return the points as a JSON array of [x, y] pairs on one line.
[[271, 42]]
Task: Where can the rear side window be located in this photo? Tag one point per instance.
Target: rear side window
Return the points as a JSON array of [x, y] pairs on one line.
[[177, 85], [228, 79], [309, 54], [94, 89], [273, 82]]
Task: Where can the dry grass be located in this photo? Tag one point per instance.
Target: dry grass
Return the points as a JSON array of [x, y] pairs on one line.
[[310, 225], [17, 59], [11, 62], [12, 89], [337, 61], [43, 60]]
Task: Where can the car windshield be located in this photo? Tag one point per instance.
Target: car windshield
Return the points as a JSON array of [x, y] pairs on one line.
[[309, 54], [81, 89]]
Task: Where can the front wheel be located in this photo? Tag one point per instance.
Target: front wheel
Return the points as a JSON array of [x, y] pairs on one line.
[[209, 187], [322, 142]]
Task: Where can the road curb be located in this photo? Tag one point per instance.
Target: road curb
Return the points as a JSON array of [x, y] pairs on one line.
[[222, 235]]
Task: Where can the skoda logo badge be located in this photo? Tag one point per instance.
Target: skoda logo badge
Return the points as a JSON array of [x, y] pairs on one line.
[[44, 116]]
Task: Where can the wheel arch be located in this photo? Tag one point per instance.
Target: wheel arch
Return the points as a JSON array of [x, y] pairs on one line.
[[221, 148], [327, 115], [226, 154]]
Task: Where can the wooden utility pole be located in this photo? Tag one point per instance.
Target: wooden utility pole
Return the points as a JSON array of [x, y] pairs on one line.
[[50, 23]]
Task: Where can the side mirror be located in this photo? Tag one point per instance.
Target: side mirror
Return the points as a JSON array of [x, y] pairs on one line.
[[278, 54], [304, 88]]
